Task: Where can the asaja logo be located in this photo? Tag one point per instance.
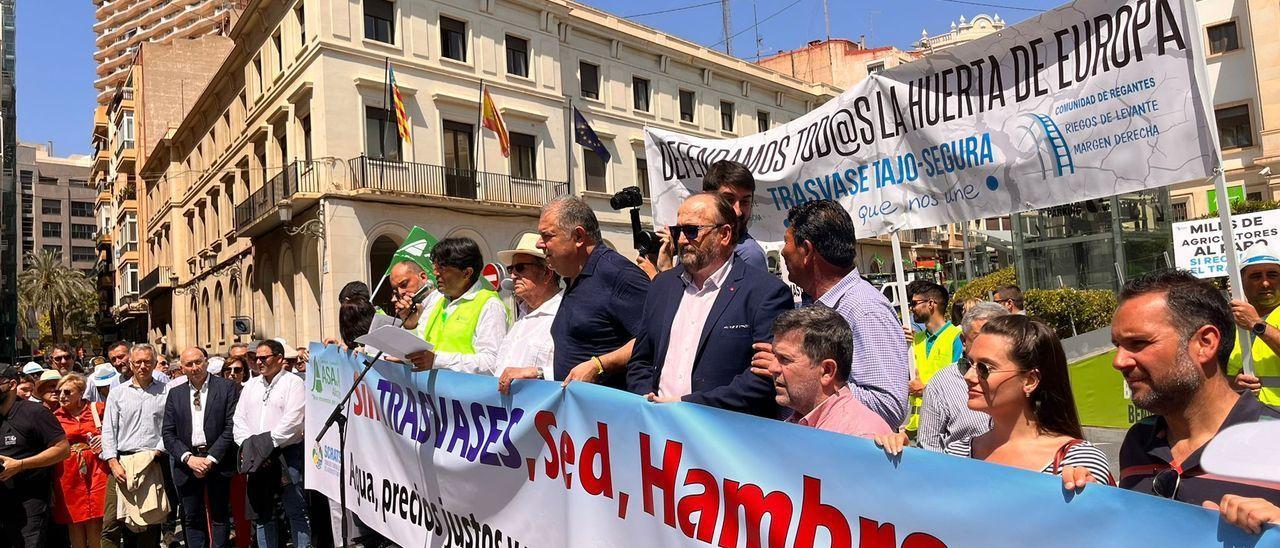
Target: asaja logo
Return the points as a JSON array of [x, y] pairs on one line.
[[324, 380]]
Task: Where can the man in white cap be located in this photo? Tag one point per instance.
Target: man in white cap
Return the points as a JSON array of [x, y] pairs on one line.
[[32, 368], [527, 351], [1260, 271]]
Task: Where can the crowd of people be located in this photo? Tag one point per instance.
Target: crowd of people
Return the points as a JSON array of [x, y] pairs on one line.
[[114, 449], [129, 450]]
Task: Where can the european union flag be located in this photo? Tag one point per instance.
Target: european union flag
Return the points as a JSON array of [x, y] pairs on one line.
[[586, 136]]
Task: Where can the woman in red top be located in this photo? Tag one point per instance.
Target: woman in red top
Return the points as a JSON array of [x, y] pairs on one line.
[[82, 478]]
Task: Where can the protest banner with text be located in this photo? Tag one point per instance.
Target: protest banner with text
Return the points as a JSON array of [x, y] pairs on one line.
[[441, 459], [1092, 99], [1197, 245]]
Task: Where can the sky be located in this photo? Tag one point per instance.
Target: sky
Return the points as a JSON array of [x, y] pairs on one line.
[[56, 68]]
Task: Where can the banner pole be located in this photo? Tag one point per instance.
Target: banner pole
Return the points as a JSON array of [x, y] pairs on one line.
[[903, 307], [1233, 263]]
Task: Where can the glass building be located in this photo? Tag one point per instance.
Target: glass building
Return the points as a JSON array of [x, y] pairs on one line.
[[1095, 244]]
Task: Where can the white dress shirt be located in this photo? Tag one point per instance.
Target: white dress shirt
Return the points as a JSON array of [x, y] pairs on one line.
[[491, 328], [197, 419], [686, 331], [278, 407], [529, 343]]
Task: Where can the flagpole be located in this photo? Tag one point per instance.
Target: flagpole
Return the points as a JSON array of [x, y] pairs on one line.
[[568, 141], [386, 106]]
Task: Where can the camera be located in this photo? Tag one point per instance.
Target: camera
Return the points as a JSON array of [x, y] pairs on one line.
[[647, 242]]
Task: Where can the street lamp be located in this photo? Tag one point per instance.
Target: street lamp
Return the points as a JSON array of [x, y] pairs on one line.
[[314, 227]]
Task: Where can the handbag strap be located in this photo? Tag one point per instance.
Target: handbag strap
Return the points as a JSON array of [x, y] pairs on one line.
[[1062, 454], [97, 420]]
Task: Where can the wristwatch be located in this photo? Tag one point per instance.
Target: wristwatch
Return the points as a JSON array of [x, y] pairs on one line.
[[1259, 329]]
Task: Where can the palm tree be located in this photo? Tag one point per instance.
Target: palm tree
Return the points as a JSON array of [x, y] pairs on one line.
[[54, 290]]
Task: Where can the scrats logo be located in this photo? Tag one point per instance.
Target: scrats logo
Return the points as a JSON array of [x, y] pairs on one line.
[[322, 455]]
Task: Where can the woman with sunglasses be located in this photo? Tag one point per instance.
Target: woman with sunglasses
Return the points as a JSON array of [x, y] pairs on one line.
[[1017, 373], [236, 369], [82, 478]]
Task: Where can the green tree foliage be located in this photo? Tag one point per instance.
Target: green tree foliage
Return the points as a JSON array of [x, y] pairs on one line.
[[1089, 309], [58, 295]]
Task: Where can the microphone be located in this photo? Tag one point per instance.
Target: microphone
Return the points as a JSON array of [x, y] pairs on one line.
[[507, 284]]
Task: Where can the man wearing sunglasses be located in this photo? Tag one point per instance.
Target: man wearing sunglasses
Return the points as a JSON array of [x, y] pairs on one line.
[[1173, 335], [272, 405], [528, 350], [61, 359], [1010, 297], [701, 317], [934, 348]]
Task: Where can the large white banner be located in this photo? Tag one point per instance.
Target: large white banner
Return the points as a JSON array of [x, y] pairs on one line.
[[440, 459], [1096, 98], [1197, 245]]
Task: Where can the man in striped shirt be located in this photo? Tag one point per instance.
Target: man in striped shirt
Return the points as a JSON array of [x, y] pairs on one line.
[[1173, 335], [819, 253]]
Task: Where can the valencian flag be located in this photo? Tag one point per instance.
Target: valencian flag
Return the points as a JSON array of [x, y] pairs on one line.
[[585, 136], [417, 247], [491, 119], [402, 116]]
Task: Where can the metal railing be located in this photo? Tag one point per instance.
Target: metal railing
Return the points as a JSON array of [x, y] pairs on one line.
[[159, 278], [447, 182], [300, 176]]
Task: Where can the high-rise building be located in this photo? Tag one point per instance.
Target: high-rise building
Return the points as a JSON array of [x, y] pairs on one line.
[[56, 206], [122, 25], [8, 190]]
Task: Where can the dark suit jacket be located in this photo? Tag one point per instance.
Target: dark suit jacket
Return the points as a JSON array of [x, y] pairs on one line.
[[741, 315], [219, 408]]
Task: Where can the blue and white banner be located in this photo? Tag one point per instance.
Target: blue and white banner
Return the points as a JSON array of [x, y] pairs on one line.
[[1093, 99], [441, 459]]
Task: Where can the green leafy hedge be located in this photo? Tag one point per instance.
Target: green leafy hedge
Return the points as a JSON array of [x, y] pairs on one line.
[[1089, 308]]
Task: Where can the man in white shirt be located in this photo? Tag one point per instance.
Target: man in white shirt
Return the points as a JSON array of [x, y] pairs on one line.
[[273, 405], [464, 319], [528, 350]]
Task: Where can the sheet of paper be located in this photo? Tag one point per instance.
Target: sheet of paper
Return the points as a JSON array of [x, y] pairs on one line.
[[395, 341], [380, 320], [1245, 451]]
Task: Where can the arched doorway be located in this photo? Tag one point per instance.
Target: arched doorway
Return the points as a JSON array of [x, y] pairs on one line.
[[380, 253]]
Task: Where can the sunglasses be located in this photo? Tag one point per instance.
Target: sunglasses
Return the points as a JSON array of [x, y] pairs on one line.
[[66, 392], [919, 302], [61, 358], [1166, 482], [263, 359], [690, 232], [234, 369], [984, 370], [520, 268]]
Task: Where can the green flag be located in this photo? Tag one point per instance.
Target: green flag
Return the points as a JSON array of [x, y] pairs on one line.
[[417, 247]]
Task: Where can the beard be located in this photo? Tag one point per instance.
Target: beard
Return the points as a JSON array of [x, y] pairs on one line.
[[1175, 390], [694, 257]]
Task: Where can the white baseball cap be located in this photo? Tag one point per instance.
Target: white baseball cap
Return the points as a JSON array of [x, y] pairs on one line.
[[1259, 254], [32, 368], [215, 365]]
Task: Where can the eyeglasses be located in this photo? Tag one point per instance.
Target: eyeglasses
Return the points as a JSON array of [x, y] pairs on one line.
[[520, 268], [690, 232], [234, 370], [61, 358], [984, 370], [920, 302], [66, 392], [1166, 482]]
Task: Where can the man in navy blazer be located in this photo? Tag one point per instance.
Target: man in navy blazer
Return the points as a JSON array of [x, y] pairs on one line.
[[701, 318], [197, 436]]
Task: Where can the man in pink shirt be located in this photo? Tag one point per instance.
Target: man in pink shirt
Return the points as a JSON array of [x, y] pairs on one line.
[[814, 348]]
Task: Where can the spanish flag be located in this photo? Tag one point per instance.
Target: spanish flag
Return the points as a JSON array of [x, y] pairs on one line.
[[492, 119], [402, 116]]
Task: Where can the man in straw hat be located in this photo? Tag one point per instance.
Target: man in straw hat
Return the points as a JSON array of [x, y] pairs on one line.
[[528, 351]]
